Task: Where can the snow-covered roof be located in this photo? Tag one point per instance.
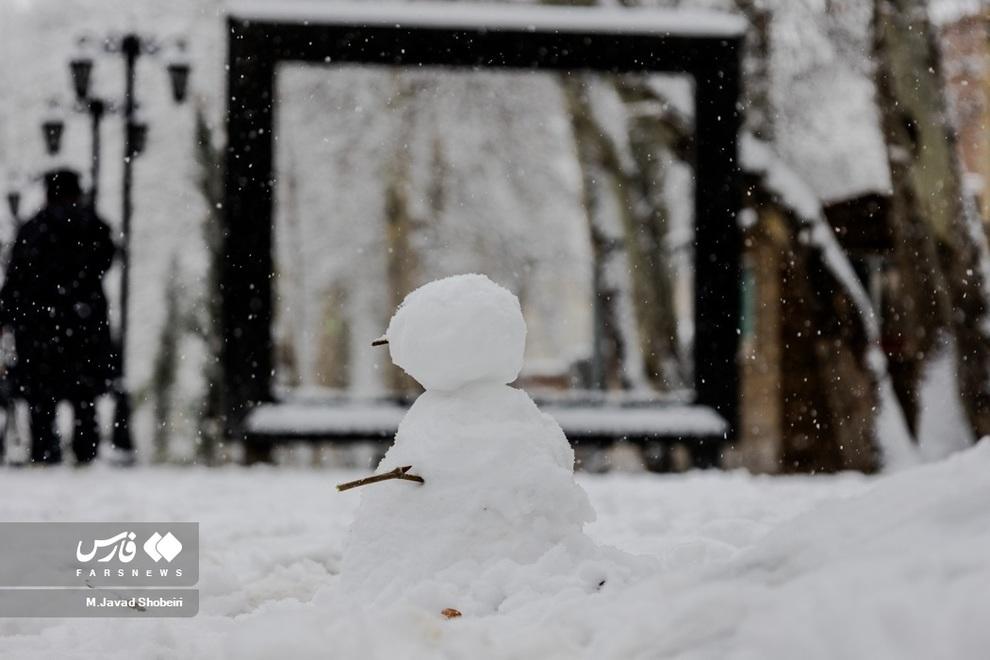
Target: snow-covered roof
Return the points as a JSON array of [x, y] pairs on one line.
[[686, 23], [826, 124], [757, 157]]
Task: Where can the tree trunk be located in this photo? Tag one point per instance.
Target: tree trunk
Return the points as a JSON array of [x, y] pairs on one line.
[[636, 323], [936, 289], [646, 229], [209, 181], [402, 266]]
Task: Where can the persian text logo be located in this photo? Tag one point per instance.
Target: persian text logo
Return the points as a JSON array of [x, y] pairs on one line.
[[122, 545], [160, 547]]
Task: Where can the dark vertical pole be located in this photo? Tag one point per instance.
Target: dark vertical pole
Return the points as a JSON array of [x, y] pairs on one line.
[[717, 239], [246, 269], [96, 111], [131, 49]]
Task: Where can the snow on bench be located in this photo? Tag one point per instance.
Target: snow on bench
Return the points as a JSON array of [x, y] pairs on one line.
[[377, 420], [476, 16]]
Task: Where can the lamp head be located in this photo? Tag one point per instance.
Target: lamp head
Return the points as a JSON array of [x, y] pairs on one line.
[[178, 76], [51, 130], [81, 69]]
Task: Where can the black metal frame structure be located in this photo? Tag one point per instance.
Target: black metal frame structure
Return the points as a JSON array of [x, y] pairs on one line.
[[588, 39]]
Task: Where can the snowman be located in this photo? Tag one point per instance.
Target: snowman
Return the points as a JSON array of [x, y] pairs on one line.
[[478, 478]]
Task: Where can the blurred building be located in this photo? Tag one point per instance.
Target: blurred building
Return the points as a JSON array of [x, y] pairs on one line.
[[964, 38]]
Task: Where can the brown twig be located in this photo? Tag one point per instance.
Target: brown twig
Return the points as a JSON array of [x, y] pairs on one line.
[[397, 473]]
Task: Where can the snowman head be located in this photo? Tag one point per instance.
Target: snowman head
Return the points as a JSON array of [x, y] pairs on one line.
[[457, 331]]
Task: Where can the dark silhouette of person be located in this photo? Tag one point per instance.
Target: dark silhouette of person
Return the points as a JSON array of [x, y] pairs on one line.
[[53, 300]]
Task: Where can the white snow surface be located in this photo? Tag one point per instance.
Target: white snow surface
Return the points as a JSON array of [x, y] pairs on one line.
[[735, 566], [458, 330], [503, 16]]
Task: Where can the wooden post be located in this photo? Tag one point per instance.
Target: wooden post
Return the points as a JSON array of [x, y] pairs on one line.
[[717, 243]]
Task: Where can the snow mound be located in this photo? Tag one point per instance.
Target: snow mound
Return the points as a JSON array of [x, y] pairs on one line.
[[743, 567], [896, 571], [458, 330]]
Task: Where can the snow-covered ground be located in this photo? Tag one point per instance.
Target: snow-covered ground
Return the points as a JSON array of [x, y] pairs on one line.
[[742, 567]]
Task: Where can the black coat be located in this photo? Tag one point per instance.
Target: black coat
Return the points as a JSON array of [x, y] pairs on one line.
[[53, 299]]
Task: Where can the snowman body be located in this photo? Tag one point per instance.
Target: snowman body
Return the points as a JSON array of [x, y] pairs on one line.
[[499, 483]]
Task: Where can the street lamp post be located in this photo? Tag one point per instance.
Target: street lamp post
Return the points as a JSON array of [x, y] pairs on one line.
[[131, 47], [96, 108]]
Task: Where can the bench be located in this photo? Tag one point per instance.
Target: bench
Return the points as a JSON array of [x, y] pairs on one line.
[[698, 428]]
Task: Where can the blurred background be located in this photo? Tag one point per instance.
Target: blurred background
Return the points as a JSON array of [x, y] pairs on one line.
[[864, 292]]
